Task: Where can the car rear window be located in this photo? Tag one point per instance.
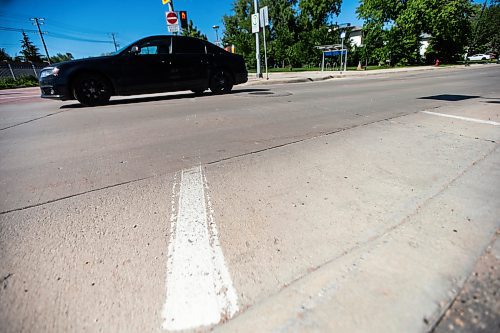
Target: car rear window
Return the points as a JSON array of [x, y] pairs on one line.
[[213, 49]]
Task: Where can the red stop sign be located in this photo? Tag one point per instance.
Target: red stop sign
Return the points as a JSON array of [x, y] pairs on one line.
[[172, 18]]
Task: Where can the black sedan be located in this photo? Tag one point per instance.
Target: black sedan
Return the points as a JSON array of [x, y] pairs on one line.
[[150, 65]]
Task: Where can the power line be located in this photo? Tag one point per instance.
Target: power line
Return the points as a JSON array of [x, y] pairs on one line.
[[57, 35], [76, 29], [18, 29], [54, 25], [78, 39]]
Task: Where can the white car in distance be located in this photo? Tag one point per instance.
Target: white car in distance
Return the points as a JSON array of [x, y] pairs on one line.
[[480, 57]]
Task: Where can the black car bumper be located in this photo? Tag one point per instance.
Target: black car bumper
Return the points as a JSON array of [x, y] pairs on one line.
[[52, 89], [240, 78]]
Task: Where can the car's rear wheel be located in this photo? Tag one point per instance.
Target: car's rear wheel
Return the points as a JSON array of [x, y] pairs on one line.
[[92, 90], [221, 82]]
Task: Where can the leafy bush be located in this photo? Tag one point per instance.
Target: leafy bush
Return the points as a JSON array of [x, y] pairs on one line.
[[22, 82]]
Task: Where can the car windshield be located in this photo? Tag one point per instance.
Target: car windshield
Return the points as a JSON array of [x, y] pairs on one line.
[[124, 48]]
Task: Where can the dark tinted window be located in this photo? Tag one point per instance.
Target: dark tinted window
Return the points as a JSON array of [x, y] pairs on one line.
[[157, 46], [214, 49], [188, 45]]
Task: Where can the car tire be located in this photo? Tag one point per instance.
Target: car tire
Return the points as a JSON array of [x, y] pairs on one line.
[[483, 58], [92, 90], [221, 82]]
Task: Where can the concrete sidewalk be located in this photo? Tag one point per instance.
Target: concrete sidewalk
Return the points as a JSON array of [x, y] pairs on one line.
[[313, 76]]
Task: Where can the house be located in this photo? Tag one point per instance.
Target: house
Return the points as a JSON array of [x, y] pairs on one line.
[[356, 36], [424, 44]]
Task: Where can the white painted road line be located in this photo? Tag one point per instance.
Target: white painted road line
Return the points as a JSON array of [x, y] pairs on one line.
[[18, 97], [489, 122], [200, 291]]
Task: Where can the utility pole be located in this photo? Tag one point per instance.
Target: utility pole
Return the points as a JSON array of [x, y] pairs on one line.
[[37, 22], [257, 46], [113, 35]]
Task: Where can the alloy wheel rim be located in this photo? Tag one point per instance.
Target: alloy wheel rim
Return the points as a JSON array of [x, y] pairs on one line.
[[92, 89]]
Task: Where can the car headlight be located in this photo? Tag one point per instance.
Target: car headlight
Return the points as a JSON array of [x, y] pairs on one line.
[[49, 71]]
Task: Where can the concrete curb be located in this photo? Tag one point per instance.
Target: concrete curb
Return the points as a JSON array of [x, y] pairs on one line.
[[307, 78]]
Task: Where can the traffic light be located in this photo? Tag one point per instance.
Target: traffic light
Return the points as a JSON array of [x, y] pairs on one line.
[[184, 19]]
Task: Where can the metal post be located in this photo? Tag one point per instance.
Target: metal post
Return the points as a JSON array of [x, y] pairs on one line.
[[257, 46], [36, 20], [323, 62], [216, 28], [265, 51], [342, 55], [345, 62], [11, 71]]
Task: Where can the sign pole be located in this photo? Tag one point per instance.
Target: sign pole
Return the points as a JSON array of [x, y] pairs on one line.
[[342, 56], [264, 21], [345, 62], [257, 46]]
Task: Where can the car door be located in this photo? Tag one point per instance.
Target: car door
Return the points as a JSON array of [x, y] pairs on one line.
[[189, 69], [147, 68]]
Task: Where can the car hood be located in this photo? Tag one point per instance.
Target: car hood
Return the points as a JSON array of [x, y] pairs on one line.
[[80, 61]]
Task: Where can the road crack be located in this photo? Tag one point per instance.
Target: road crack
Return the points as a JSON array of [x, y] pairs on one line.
[[31, 120]]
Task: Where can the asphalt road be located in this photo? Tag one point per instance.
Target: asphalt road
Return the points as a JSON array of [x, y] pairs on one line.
[[249, 204]]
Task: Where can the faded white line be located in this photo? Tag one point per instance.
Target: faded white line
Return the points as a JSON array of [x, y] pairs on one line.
[[489, 122], [22, 96], [199, 288]]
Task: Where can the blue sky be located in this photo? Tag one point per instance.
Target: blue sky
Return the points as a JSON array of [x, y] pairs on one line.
[[95, 20]]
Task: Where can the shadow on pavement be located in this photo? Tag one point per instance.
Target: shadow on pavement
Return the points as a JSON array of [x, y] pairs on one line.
[[450, 98], [134, 100]]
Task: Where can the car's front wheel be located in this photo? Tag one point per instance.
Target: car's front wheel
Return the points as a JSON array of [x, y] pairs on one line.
[[92, 90], [221, 82]]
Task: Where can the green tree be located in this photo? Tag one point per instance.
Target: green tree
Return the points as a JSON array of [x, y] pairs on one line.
[[193, 31], [61, 57], [296, 27], [238, 30], [29, 50], [317, 12], [4, 55], [282, 31], [402, 23], [449, 24], [487, 37]]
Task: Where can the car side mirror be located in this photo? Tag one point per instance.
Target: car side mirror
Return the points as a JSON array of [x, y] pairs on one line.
[[135, 49]]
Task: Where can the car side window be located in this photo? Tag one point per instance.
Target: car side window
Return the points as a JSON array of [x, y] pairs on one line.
[[150, 49], [213, 49], [161, 46], [188, 46]]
